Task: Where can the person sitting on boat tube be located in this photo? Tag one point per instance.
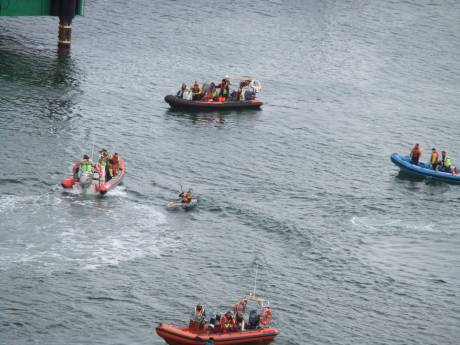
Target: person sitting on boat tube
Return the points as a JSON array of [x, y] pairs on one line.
[[227, 322], [198, 319], [244, 86], [210, 93], [182, 90], [186, 198], [446, 162], [196, 91], [434, 160], [415, 154]]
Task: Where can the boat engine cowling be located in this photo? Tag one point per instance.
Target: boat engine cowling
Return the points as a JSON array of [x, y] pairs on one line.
[[86, 179]]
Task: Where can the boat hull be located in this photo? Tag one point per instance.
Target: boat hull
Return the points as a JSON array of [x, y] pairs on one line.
[[422, 169], [179, 103], [96, 186], [183, 336]]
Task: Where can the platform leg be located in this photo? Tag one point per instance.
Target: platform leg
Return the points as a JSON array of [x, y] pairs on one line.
[[65, 33]]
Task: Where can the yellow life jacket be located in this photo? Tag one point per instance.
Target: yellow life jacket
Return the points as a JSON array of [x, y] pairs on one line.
[[447, 162]]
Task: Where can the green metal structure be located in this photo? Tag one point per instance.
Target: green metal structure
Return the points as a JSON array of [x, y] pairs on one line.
[[34, 7], [66, 10]]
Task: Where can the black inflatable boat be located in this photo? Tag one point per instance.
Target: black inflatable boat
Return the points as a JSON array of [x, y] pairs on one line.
[[180, 103]]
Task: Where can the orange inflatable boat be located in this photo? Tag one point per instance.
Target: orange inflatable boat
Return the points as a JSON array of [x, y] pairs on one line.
[[94, 182], [184, 336], [226, 331]]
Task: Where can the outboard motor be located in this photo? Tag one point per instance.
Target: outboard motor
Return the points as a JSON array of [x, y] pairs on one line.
[[86, 178], [249, 95], [254, 319]]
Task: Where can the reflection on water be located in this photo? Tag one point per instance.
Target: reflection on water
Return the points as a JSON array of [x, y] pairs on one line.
[[218, 117], [404, 175], [44, 79]]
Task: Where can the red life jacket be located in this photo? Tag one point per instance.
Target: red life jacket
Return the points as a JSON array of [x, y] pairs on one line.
[[227, 324]]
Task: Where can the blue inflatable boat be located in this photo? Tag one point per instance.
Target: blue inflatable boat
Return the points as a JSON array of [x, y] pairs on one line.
[[422, 169]]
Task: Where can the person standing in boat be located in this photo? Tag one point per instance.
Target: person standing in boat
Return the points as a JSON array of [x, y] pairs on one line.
[[224, 87], [85, 166], [238, 310], [115, 163], [415, 154], [105, 162], [434, 160]]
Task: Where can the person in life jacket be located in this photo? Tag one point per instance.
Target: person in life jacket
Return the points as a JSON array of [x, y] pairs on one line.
[[115, 164], [105, 162], [198, 319], [186, 197], [196, 91], [446, 162], [182, 90], [239, 309], [224, 87], [210, 93], [415, 154], [434, 160], [84, 165], [227, 322], [200, 313]]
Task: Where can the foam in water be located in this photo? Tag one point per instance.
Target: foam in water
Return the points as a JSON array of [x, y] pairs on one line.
[[379, 225], [87, 237]]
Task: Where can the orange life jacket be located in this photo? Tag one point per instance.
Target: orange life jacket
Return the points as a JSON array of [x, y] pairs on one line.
[[186, 198], [115, 165], [416, 152]]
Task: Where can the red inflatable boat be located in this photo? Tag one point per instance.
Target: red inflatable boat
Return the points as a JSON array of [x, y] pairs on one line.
[[94, 182], [227, 332]]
